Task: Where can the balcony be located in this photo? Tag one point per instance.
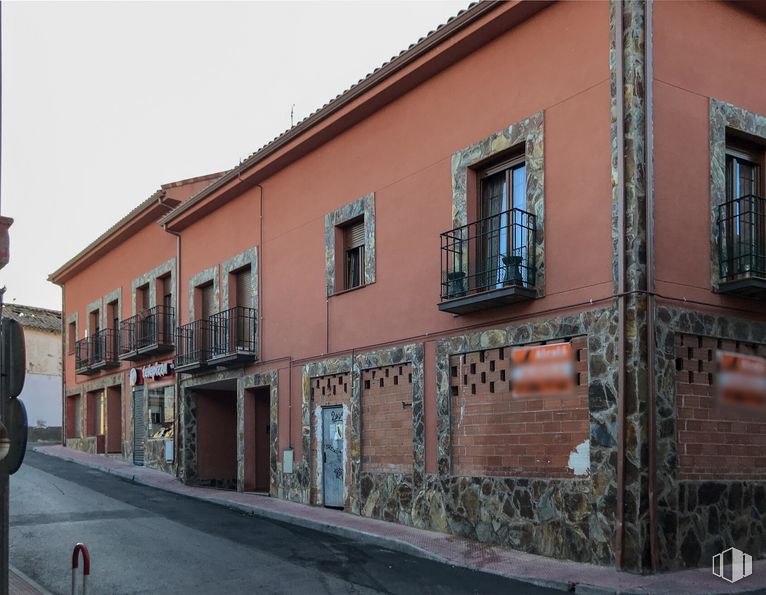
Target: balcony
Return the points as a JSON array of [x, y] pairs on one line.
[[225, 339], [193, 341], [82, 357], [149, 333], [742, 247], [104, 348], [234, 336], [97, 352], [488, 263]]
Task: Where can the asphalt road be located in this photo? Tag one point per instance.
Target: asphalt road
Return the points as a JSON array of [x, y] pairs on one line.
[[144, 540]]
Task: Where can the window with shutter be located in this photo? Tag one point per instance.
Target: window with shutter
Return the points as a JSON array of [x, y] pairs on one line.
[[242, 280], [353, 245]]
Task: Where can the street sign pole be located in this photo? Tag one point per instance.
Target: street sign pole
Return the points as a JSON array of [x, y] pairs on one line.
[[4, 496]]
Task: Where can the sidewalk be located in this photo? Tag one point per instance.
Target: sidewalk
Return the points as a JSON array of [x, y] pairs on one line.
[[20, 584], [539, 570]]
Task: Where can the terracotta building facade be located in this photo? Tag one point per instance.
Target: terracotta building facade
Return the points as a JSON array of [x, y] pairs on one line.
[[337, 320]]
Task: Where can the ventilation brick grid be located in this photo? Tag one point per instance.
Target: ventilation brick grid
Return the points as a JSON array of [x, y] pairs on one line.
[[493, 434], [715, 442]]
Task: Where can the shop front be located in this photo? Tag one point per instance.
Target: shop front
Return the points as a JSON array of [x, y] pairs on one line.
[[154, 407]]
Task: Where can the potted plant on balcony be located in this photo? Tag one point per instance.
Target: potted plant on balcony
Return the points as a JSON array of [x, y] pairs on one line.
[[456, 283], [512, 263]]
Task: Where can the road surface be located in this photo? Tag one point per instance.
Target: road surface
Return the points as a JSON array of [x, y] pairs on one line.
[[144, 540]]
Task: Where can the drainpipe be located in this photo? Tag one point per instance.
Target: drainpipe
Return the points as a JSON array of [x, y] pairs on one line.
[[620, 133], [161, 201], [650, 297], [178, 376], [260, 266], [64, 354]]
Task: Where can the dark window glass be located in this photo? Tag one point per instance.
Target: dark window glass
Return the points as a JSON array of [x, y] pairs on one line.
[[353, 240], [502, 249], [744, 233]]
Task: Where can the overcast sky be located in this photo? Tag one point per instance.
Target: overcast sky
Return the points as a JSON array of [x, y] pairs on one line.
[[104, 102]]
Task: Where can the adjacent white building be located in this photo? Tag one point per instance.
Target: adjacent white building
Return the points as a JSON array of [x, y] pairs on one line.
[[42, 386]]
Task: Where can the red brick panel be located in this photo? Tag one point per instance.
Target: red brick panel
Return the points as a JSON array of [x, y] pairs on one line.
[[714, 441], [387, 419], [495, 435]]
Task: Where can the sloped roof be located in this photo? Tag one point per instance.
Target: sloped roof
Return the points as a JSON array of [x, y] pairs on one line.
[[29, 316]]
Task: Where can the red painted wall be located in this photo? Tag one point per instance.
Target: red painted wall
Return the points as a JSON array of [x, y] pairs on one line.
[[556, 62], [702, 50], [403, 153]]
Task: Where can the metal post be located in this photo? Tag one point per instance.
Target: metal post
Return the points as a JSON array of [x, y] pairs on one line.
[[4, 497], [4, 506], [80, 548]]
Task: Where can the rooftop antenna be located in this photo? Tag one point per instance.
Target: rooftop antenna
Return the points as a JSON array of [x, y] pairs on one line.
[[292, 108]]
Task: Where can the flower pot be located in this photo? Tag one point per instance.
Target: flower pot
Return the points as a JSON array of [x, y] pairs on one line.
[[513, 274], [456, 284]]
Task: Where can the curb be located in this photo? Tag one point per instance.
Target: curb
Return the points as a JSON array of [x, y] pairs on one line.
[[391, 543], [34, 584], [366, 537]]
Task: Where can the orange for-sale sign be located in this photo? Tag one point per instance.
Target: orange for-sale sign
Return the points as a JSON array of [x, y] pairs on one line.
[[542, 371], [741, 379]]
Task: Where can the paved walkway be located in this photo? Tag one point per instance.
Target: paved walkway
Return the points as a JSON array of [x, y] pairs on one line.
[[20, 584], [564, 575]]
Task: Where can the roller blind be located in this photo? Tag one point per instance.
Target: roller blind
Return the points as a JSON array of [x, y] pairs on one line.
[[354, 235]]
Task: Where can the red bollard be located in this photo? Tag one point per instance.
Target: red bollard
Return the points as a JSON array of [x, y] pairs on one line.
[[80, 547]]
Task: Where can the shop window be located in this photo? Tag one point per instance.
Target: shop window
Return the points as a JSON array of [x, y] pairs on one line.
[[353, 250], [161, 404]]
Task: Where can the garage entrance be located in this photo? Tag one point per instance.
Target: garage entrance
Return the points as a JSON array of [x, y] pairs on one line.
[[217, 434], [257, 443]]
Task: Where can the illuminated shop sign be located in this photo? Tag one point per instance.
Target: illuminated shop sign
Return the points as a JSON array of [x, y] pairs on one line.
[[151, 372]]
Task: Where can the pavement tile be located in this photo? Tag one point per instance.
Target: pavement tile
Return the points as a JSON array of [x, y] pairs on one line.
[[559, 574], [20, 584]]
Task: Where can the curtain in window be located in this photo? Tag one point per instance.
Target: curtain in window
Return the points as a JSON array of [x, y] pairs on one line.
[[492, 230]]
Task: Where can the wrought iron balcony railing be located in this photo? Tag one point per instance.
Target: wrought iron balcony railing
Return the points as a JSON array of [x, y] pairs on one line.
[[104, 349], [152, 331], [193, 342], [82, 357], [234, 335], [488, 263], [742, 246]]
